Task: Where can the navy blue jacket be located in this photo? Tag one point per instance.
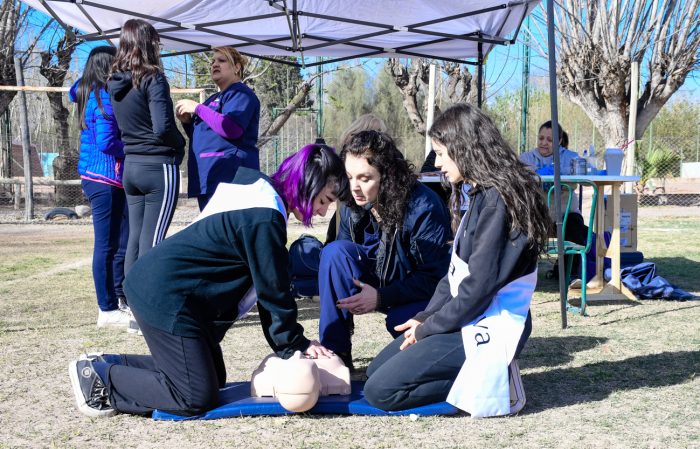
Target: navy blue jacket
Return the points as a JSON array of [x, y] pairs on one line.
[[412, 260], [146, 118], [101, 148]]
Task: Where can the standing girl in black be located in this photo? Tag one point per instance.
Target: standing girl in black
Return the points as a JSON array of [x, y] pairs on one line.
[[152, 144]]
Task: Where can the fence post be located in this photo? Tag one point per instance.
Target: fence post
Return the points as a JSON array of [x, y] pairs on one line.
[[26, 150], [632, 128]]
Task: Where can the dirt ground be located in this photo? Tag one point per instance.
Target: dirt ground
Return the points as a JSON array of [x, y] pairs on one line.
[[625, 376]]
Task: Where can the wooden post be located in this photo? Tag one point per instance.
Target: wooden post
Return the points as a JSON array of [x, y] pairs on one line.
[[632, 130], [26, 149], [431, 108]]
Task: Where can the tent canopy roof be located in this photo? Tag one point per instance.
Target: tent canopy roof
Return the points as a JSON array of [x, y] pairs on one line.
[[450, 30]]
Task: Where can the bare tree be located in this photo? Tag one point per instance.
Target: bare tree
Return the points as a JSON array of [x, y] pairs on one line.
[[10, 23], [55, 62], [270, 127], [411, 79], [598, 39]]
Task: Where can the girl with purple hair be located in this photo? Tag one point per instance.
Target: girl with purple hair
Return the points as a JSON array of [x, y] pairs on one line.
[[187, 291]]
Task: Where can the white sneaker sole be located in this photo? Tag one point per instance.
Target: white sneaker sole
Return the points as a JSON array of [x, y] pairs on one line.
[[517, 391], [111, 324], [78, 393]]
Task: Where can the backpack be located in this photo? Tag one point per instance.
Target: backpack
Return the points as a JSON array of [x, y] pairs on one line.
[[304, 259]]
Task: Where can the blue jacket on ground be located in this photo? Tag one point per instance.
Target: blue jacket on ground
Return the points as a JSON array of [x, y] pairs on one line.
[[101, 148], [412, 260]]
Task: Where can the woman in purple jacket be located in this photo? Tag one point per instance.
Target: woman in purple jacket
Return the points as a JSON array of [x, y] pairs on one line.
[[100, 167], [223, 130]]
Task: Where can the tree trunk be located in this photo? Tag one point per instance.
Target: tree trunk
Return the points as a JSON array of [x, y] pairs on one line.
[[65, 165], [299, 99], [596, 48]]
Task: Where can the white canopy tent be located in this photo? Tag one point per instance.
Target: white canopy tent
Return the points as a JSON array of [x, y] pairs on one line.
[[341, 29], [462, 31]]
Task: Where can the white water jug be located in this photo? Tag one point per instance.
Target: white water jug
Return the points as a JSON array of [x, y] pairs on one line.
[[613, 161]]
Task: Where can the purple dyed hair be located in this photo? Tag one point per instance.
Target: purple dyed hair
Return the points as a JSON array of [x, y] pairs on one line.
[[302, 176]]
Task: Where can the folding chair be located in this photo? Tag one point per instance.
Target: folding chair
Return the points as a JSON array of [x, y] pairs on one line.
[[572, 249]]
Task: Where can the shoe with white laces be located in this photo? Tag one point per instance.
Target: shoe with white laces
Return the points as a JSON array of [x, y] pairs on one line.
[[123, 305], [114, 318], [115, 359], [90, 392]]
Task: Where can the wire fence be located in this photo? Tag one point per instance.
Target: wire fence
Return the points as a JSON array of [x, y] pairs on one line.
[[668, 156], [54, 154]]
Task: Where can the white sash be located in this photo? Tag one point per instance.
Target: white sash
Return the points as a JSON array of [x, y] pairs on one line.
[[229, 197], [490, 341]]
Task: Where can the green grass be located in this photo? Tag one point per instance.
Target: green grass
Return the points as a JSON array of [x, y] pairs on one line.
[[626, 376]]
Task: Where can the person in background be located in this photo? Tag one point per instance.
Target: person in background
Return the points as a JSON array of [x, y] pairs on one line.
[[186, 293], [365, 122], [153, 146], [223, 130], [492, 275], [391, 249], [541, 160], [100, 167]]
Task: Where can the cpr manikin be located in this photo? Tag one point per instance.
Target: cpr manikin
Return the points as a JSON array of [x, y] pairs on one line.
[[299, 381]]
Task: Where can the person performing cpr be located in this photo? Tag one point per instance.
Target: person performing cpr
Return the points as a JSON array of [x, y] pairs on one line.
[[187, 292], [460, 347]]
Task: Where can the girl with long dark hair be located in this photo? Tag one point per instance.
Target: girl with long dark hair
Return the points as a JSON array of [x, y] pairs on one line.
[[153, 146], [187, 292], [461, 346], [100, 166], [391, 248]]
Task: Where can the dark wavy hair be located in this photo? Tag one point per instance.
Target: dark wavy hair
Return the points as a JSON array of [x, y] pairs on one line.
[[94, 79], [139, 51], [484, 158], [302, 176], [397, 177]]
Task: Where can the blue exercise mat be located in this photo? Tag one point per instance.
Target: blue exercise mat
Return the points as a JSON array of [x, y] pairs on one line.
[[235, 401]]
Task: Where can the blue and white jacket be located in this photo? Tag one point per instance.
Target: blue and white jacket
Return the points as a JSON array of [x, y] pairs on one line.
[[101, 148]]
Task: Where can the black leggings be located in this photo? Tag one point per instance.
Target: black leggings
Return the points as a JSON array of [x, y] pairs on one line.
[[182, 376], [151, 194], [419, 375]]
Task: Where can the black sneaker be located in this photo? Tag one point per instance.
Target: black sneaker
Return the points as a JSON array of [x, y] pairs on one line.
[[90, 391], [115, 359]]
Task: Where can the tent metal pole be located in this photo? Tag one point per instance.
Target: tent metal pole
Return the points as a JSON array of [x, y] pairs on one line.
[[525, 90], [555, 149], [53, 14], [480, 75]]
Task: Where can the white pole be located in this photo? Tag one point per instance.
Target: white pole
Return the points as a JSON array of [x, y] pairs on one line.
[[431, 108], [632, 131]]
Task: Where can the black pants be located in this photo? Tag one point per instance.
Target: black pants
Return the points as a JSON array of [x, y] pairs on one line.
[[151, 194], [182, 376], [419, 375], [576, 231]]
